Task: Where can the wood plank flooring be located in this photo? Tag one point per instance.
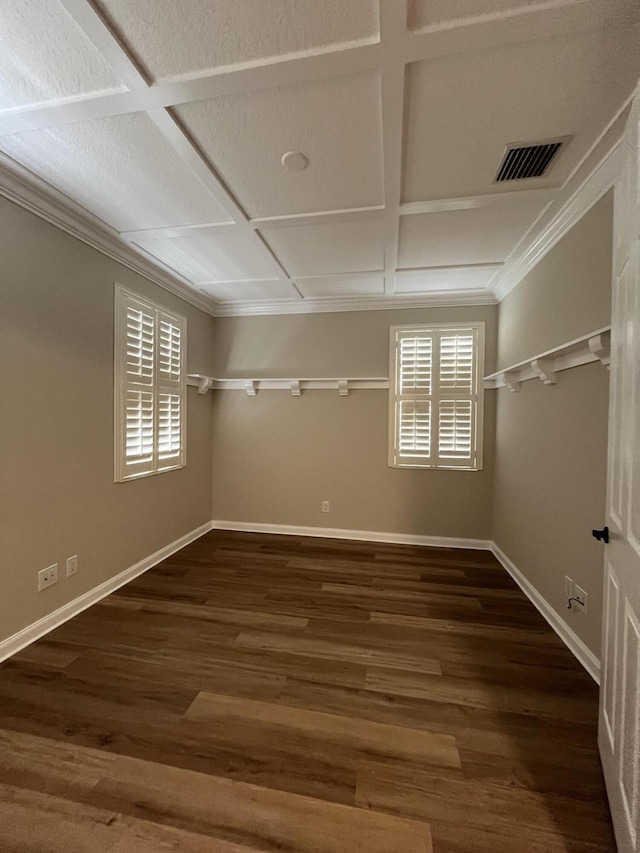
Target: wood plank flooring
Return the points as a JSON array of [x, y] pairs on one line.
[[265, 693]]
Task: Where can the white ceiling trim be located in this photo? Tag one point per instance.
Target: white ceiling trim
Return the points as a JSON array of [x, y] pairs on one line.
[[358, 214], [22, 187], [393, 24], [597, 174], [589, 192], [412, 208], [96, 30], [370, 303], [462, 36], [345, 59], [94, 27], [396, 48], [528, 23]]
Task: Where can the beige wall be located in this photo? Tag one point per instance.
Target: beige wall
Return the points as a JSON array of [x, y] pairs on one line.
[[276, 457], [57, 495], [551, 441], [567, 295]]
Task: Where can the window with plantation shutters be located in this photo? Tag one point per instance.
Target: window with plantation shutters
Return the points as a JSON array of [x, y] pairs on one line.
[[150, 387], [436, 396]]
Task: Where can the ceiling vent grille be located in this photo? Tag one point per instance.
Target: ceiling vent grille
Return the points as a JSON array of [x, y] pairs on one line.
[[528, 161]]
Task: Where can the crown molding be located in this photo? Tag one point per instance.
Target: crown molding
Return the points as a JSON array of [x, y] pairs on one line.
[[590, 191], [591, 179], [22, 187], [372, 303]]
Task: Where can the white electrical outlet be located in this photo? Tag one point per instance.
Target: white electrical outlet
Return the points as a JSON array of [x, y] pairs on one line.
[[72, 565], [568, 586], [582, 597], [325, 506], [47, 577]]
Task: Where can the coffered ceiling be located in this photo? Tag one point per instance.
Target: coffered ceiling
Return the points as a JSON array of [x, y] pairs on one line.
[[164, 124]]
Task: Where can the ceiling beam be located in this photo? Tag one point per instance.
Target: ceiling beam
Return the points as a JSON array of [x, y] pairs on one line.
[[393, 24], [466, 35], [103, 37], [336, 61]]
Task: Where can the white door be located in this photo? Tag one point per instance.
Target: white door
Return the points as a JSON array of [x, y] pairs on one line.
[[619, 730]]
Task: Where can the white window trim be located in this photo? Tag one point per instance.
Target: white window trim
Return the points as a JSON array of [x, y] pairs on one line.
[[477, 395], [120, 385]]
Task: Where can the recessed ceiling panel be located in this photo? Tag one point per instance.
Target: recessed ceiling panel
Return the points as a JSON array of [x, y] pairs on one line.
[[216, 257], [174, 38], [122, 169], [445, 280], [336, 287], [465, 109], [475, 236], [430, 13], [329, 249], [251, 291], [334, 123], [45, 56]]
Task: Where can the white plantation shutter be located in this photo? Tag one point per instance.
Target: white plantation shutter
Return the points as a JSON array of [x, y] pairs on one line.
[[149, 388], [436, 400], [170, 396]]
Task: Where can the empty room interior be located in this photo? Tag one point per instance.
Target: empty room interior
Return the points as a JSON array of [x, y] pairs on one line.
[[320, 433]]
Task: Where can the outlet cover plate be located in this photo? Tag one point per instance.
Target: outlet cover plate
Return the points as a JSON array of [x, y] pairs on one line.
[[72, 565], [47, 577], [583, 597]]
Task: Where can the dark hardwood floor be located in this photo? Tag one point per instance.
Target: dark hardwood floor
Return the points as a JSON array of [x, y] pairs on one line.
[[264, 693]]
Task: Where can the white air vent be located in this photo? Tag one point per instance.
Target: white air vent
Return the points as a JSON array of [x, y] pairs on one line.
[[528, 160]]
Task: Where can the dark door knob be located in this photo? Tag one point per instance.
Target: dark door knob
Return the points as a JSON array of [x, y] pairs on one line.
[[601, 535]]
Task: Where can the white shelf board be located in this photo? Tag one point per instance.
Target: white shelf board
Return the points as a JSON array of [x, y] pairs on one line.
[[596, 346], [295, 385]]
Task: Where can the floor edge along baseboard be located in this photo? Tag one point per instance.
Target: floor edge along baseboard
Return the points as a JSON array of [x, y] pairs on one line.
[[11, 645], [354, 535], [580, 651]]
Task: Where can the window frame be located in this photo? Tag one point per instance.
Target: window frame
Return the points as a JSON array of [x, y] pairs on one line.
[[434, 331], [123, 297]]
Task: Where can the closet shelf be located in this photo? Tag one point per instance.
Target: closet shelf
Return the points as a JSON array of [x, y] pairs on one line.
[[296, 386], [595, 346]]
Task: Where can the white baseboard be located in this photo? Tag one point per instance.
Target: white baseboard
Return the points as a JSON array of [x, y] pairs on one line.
[[573, 642], [30, 634], [357, 535], [38, 629]]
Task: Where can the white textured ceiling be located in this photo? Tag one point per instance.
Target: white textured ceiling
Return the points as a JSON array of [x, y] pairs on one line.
[[207, 34], [168, 119]]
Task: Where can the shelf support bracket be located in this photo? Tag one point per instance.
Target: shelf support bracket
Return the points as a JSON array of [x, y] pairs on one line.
[[512, 380], [204, 384], [600, 346], [250, 388], [343, 387], [295, 388], [543, 367]]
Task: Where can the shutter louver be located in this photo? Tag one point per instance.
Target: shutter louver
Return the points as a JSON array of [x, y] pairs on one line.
[[456, 363], [139, 428], [150, 388], [169, 428], [416, 364], [415, 428], [140, 345], [169, 360], [455, 429]]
